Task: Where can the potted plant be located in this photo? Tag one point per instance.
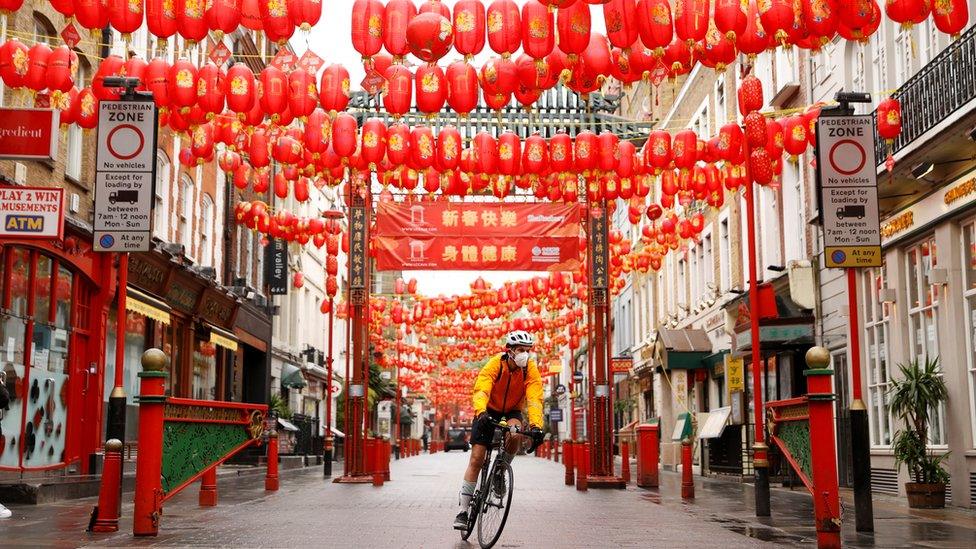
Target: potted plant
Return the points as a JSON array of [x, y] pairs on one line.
[[918, 394]]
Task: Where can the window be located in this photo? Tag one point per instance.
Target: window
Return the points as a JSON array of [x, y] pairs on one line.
[[969, 295], [793, 237], [724, 255], [858, 82], [44, 32], [186, 213], [682, 285], [206, 231], [163, 174], [923, 317], [700, 121], [770, 232], [72, 164], [694, 257], [929, 39], [876, 328], [721, 113], [879, 58], [708, 264], [822, 62], [903, 56]]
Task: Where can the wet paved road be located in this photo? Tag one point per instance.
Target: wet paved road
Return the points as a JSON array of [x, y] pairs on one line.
[[417, 507]]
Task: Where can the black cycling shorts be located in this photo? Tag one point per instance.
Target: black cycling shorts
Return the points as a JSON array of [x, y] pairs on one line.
[[482, 431]]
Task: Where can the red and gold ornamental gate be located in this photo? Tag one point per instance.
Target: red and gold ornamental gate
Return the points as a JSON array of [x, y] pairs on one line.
[[478, 235]]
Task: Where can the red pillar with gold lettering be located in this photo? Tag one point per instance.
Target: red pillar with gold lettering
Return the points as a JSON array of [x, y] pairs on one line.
[[823, 454], [149, 460]]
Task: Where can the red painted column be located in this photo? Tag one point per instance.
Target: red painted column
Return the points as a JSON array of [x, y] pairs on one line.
[[271, 477], [647, 456], [823, 454], [687, 480], [108, 494], [208, 488], [625, 465], [149, 460], [568, 451]]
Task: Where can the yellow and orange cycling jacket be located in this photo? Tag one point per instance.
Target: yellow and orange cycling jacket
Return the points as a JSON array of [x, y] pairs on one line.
[[502, 389]]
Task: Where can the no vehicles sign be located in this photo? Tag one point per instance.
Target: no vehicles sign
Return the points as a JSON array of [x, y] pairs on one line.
[[125, 171], [848, 191]]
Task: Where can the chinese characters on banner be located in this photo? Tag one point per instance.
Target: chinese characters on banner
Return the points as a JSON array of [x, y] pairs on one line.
[[537, 237], [357, 248], [598, 248]]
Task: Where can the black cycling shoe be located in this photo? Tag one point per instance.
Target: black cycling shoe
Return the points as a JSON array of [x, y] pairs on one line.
[[461, 521]]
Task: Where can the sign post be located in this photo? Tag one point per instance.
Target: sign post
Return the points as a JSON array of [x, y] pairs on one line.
[[848, 180]]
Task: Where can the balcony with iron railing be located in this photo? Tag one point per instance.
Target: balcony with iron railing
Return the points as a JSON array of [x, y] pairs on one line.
[[934, 94]]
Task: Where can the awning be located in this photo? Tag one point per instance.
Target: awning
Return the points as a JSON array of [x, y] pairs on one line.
[[223, 338], [291, 377], [289, 426], [338, 433], [681, 349], [147, 306], [716, 363]]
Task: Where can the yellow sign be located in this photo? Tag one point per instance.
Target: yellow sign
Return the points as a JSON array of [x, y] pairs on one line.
[[853, 256], [225, 342], [147, 310], [555, 366], [734, 373]]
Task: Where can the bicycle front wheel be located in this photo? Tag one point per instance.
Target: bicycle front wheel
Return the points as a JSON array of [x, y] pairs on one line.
[[497, 502]]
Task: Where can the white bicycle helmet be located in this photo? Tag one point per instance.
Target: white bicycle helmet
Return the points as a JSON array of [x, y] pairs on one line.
[[519, 337]]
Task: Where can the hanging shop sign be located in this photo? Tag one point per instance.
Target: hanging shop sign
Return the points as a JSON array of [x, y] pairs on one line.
[[31, 212], [734, 378], [473, 253], [125, 172], [599, 251], [620, 365], [357, 248], [947, 201], [276, 267], [477, 219], [848, 191], [29, 134]]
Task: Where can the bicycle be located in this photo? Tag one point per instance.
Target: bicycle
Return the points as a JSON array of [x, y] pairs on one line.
[[488, 507]]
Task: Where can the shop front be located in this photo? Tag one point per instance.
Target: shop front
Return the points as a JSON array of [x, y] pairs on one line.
[[53, 297]]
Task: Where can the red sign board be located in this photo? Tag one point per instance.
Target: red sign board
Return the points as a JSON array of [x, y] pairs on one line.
[[30, 134], [70, 35], [219, 54], [620, 365], [372, 82], [284, 60], [31, 212], [310, 62], [468, 236]]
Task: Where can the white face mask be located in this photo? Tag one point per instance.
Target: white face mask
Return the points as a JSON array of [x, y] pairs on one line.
[[521, 359]]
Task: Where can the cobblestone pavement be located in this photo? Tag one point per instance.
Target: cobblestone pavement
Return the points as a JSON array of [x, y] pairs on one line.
[[415, 509]]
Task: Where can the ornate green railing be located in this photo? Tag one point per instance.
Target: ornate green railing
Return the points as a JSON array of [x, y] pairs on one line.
[[789, 430]]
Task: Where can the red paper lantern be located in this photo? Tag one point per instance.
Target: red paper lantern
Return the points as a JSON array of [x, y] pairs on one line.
[[396, 17], [586, 150], [504, 25], [499, 76], [182, 84], [191, 20], [717, 49], [157, 81], [334, 88], [202, 141], [889, 119], [469, 27], [161, 18], [398, 144], [239, 88], [794, 135], [367, 27], [677, 58], [431, 84], [85, 109], [754, 40], [448, 147], [110, 66], [430, 36], [422, 145], [750, 94], [535, 155], [760, 166], [684, 149], [37, 62], [690, 20], [775, 138], [730, 18], [302, 94], [573, 24], [273, 92], [210, 89], [64, 7], [755, 129], [609, 152], [730, 142], [462, 87], [62, 66], [486, 153], [259, 147], [92, 14], [561, 152], [538, 36], [398, 90], [125, 16], [276, 21], [509, 153], [654, 24], [304, 14], [619, 18], [344, 135], [223, 16], [373, 142], [251, 15], [780, 19], [658, 151], [850, 19], [950, 16], [820, 19]]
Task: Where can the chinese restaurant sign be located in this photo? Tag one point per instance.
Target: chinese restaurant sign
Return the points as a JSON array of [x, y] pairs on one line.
[[599, 270], [357, 248], [31, 212], [505, 236]]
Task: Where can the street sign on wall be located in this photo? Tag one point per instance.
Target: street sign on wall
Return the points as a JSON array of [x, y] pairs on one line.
[[31, 212], [555, 414], [30, 134], [276, 267], [848, 191], [125, 172]]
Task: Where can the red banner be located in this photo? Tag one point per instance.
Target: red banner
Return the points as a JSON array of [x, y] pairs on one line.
[[477, 236], [497, 219], [493, 253]]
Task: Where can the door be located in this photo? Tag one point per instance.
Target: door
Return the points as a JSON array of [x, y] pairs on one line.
[[845, 471]]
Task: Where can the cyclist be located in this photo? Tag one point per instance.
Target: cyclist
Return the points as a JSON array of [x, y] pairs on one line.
[[506, 384]]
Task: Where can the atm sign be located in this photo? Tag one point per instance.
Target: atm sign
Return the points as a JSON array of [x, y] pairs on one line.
[[31, 212]]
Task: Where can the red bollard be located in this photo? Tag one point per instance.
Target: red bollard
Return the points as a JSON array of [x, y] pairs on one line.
[[582, 460], [687, 480], [820, 398], [647, 456], [108, 495], [568, 462], [373, 448], [387, 450], [271, 479], [149, 460], [625, 457], [208, 488], [369, 456]]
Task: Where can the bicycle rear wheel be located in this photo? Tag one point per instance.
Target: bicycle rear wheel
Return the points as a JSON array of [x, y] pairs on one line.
[[494, 510]]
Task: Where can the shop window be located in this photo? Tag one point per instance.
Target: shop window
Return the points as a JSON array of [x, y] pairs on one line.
[[204, 371], [163, 175], [969, 296], [186, 214], [923, 317], [876, 327], [206, 231]]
